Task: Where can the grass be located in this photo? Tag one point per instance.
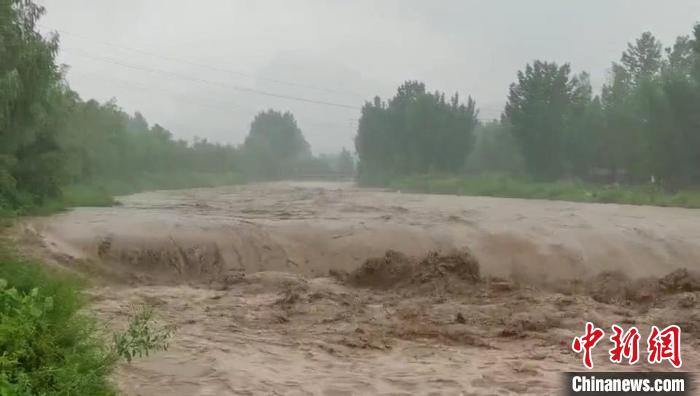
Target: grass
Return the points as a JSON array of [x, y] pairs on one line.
[[166, 181], [491, 185], [102, 193], [48, 345]]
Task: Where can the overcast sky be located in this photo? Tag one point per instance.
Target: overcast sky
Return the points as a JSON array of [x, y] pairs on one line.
[[204, 68]]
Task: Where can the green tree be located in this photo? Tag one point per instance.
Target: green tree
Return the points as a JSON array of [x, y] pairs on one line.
[[681, 56], [696, 53], [495, 150], [415, 132], [650, 106], [644, 58], [673, 120], [274, 146], [620, 142], [345, 164], [29, 80], [376, 144], [540, 109]]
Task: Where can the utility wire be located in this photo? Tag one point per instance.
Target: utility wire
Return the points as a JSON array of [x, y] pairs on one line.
[[202, 65], [144, 88], [203, 81], [487, 109], [217, 106]]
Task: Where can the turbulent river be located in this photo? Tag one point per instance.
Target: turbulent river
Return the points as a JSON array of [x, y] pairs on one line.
[[256, 279]]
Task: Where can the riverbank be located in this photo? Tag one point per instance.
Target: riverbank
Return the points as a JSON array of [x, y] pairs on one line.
[[101, 193], [513, 187]]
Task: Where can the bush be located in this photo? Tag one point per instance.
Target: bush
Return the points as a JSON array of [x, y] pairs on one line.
[[143, 335], [48, 346]]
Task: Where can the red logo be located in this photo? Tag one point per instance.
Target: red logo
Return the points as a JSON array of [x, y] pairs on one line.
[[665, 345], [661, 345], [626, 345], [587, 342]]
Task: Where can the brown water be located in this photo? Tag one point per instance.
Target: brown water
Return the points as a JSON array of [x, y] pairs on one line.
[[244, 274]]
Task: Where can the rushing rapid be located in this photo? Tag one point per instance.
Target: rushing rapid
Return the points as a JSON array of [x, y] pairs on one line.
[[327, 288]]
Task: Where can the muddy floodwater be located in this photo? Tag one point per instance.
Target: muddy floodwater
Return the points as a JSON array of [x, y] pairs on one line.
[[329, 289]]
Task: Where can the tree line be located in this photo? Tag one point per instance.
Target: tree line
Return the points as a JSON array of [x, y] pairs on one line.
[[643, 126], [51, 138], [414, 132]]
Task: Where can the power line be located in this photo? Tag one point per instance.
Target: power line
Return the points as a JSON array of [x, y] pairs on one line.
[[202, 65], [485, 109], [153, 90], [203, 81], [218, 106]]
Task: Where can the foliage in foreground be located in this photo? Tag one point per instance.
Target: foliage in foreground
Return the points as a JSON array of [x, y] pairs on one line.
[[514, 187], [143, 335], [50, 346]]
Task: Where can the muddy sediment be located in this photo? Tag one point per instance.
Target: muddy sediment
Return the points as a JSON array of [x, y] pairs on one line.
[[396, 270], [328, 289], [615, 287]]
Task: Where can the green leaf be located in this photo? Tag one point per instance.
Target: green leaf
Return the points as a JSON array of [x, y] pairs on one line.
[[35, 311], [48, 303]]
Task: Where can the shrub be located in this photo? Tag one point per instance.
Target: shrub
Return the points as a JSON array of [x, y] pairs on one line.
[[143, 335], [48, 346]]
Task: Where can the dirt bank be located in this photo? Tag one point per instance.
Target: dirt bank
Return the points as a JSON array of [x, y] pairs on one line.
[[303, 288]]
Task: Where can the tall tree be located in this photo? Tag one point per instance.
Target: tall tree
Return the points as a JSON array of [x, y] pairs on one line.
[[696, 52], [345, 163], [376, 143], [495, 150], [644, 58], [29, 80], [415, 132], [274, 145], [539, 109], [681, 56]]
